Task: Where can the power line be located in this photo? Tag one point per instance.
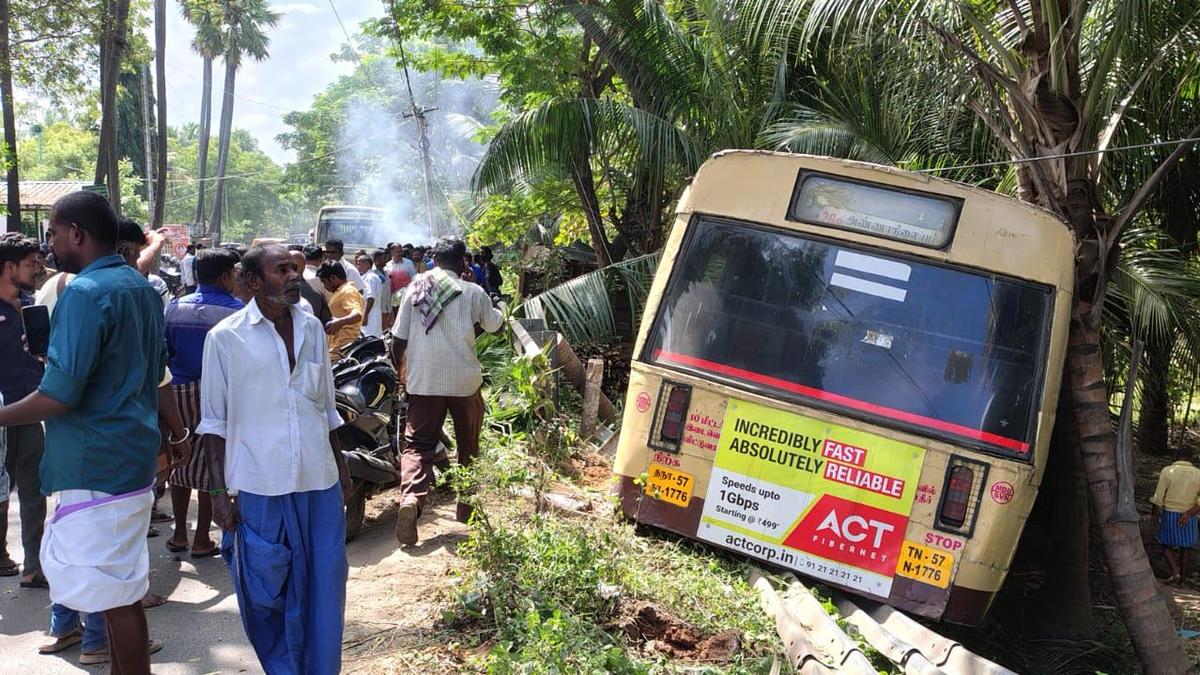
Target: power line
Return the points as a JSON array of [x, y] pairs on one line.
[[240, 97], [1065, 155], [314, 158]]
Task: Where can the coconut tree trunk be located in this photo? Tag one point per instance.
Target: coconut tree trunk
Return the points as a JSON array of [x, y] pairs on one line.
[[205, 132], [1155, 417], [160, 92], [1146, 614], [10, 123], [585, 187], [225, 132], [1065, 602]]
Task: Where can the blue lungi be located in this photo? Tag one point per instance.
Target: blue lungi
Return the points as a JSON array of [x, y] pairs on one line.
[[287, 557], [1171, 534]]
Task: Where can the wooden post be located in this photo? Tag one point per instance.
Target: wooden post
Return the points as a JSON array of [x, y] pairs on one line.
[[591, 397], [573, 369]]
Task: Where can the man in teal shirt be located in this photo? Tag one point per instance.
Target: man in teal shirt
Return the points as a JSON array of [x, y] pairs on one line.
[[99, 398]]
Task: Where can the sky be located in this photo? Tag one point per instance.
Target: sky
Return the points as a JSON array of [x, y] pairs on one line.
[[298, 67]]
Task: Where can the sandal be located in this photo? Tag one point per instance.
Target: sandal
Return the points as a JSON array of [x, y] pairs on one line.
[[212, 552], [176, 548], [101, 655], [150, 601], [69, 640], [38, 581], [9, 567]]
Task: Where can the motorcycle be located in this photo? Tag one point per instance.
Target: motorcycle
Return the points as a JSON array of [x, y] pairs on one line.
[[374, 410]]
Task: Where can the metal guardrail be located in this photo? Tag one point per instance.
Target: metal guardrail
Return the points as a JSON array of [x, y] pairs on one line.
[[817, 645]]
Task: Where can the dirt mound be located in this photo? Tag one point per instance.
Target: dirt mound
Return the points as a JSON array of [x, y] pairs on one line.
[[662, 632]]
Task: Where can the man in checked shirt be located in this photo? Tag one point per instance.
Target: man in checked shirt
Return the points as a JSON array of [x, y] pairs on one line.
[[436, 325]]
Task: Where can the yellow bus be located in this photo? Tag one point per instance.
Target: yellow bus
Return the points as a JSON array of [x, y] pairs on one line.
[[850, 371]]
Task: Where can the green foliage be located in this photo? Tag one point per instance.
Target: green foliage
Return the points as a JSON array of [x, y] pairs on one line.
[[581, 308], [560, 644], [53, 47], [254, 204], [61, 151]]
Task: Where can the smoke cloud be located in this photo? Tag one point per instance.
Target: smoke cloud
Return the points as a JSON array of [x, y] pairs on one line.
[[381, 164]]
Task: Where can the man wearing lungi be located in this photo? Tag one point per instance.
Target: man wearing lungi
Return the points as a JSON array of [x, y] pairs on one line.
[[1176, 498], [189, 319], [99, 399], [266, 401]]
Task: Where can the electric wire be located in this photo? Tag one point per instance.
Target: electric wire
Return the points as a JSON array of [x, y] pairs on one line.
[[1065, 155]]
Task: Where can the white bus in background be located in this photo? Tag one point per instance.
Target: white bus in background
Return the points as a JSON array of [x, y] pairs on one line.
[[359, 227]]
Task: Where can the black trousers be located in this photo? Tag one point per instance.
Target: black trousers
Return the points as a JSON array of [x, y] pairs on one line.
[[22, 463]]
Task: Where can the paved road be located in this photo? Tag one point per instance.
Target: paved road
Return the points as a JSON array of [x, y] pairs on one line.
[[199, 627]]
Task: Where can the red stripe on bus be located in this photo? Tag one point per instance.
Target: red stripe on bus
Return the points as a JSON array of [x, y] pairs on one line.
[[821, 395]]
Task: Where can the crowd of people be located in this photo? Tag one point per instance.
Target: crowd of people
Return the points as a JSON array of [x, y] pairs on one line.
[[226, 390]]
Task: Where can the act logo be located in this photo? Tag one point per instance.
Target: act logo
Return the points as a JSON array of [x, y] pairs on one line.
[[855, 534]]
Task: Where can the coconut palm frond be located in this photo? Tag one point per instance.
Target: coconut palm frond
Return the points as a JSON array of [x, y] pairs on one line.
[[557, 134], [581, 309]]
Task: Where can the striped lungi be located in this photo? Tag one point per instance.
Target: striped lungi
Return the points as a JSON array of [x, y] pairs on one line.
[[194, 474], [1172, 535]]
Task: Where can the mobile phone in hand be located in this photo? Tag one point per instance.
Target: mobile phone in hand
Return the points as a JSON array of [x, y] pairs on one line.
[[37, 329]]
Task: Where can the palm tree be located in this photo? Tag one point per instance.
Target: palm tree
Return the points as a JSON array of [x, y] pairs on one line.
[[242, 29], [204, 15], [1056, 83]]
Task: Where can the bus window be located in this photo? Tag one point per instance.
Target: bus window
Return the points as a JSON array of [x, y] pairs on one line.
[[945, 351], [349, 228]]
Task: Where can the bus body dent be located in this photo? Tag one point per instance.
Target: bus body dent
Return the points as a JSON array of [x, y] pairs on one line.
[[994, 233]]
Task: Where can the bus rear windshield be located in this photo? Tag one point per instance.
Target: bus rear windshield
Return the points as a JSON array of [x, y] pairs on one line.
[[350, 228], [948, 352]]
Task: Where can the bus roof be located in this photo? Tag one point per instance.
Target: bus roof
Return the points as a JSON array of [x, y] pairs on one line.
[[350, 207], [995, 232]]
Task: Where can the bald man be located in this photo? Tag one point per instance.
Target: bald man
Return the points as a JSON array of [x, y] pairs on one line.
[[320, 306]]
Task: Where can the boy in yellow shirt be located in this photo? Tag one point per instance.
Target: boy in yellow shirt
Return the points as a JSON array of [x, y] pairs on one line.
[[345, 304]]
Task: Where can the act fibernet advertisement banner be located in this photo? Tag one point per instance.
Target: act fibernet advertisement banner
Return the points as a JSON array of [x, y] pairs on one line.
[[825, 500]]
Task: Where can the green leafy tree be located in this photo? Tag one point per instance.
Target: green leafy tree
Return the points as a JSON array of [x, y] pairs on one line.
[[45, 48]]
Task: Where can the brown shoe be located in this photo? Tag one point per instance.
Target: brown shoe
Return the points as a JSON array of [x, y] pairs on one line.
[[463, 512], [101, 655], [406, 524], [69, 640]]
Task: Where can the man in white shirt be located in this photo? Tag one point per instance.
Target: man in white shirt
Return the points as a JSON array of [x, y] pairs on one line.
[[435, 330], [376, 295], [335, 251], [187, 270], [266, 401]]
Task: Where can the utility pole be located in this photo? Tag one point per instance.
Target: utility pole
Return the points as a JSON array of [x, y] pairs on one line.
[[147, 143], [418, 113]]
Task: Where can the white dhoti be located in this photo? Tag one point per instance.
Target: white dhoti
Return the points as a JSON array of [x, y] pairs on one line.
[[94, 552]]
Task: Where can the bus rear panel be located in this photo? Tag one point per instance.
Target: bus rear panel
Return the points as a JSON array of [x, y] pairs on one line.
[[822, 384]]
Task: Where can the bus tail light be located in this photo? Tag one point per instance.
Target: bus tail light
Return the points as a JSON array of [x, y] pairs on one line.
[[670, 416], [961, 493]]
